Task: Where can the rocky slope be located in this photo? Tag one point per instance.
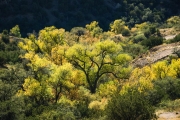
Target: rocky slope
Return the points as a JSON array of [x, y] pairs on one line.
[[157, 53]]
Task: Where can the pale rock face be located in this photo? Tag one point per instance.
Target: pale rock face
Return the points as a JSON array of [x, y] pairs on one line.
[[157, 53]]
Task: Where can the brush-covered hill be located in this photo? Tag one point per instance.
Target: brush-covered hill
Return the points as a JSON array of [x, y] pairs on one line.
[[36, 14]]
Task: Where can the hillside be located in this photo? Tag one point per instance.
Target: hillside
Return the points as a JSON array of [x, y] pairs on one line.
[[34, 15]]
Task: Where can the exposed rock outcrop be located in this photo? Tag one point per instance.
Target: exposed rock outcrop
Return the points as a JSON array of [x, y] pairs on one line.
[[156, 53]]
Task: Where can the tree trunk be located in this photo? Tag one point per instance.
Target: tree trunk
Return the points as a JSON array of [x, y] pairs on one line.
[[93, 90], [93, 87]]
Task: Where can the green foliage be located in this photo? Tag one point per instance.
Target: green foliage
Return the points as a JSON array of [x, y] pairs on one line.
[[72, 75], [94, 29], [12, 106], [152, 29], [5, 36], [78, 31], [67, 15], [9, 56], [9, 53], [15, 31], [49, 37], [138, 38], [12, 109], [97, 60], [117, 26], [125, 32], [152, 41], [164, 89], [134, 49], [147, 33], [60, 80], [170, 105], [173, 21], [129, 106], [2, 46]]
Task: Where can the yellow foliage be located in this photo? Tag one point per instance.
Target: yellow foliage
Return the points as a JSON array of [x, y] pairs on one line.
[[108, 88], [174, 20], [78, 78], [142, 26], [108, 45], [142, 78], [64, 100], [32, 87], [160, 69], [50, 37], [28, 45], [117, 26], [36, 61], [58, 54], [98, 105], [88, 39], [174, 68], [94, 29]]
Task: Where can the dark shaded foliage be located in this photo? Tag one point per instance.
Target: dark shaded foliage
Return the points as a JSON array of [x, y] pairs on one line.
[[73, 13], [152, 41], [130, 106], [167, 88]]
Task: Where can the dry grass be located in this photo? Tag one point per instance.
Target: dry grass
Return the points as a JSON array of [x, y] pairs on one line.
[[168, 31]]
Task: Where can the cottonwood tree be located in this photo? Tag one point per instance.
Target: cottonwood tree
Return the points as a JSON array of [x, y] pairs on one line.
[[117, 26], [97, 60]]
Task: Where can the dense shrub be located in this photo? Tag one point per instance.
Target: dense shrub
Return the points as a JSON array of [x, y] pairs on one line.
[[147, 33], [164, 89], [129, 106], [152, 41], [5, 36], [125, 32], [139, 38], [134, 49]]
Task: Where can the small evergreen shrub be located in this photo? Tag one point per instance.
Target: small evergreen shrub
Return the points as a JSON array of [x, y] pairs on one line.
[[125, 32], [152, 41]]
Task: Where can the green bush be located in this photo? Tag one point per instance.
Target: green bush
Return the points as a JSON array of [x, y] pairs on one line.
[[164, 89], [170, 105], [2, 45], [147, 33], [15, 31], [152, 29], [139, 38], [129, 106], [134, 49], [152, 41], [125, 32], [5, 36]]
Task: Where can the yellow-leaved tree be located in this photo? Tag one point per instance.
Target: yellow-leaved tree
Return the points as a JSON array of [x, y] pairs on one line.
[[49, 72], [160, 69], [94, 29], [117, 26], [49, 37], [174, 68], [99, 59]]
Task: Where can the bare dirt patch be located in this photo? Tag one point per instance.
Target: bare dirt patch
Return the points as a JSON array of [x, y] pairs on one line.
[[169, 116]]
